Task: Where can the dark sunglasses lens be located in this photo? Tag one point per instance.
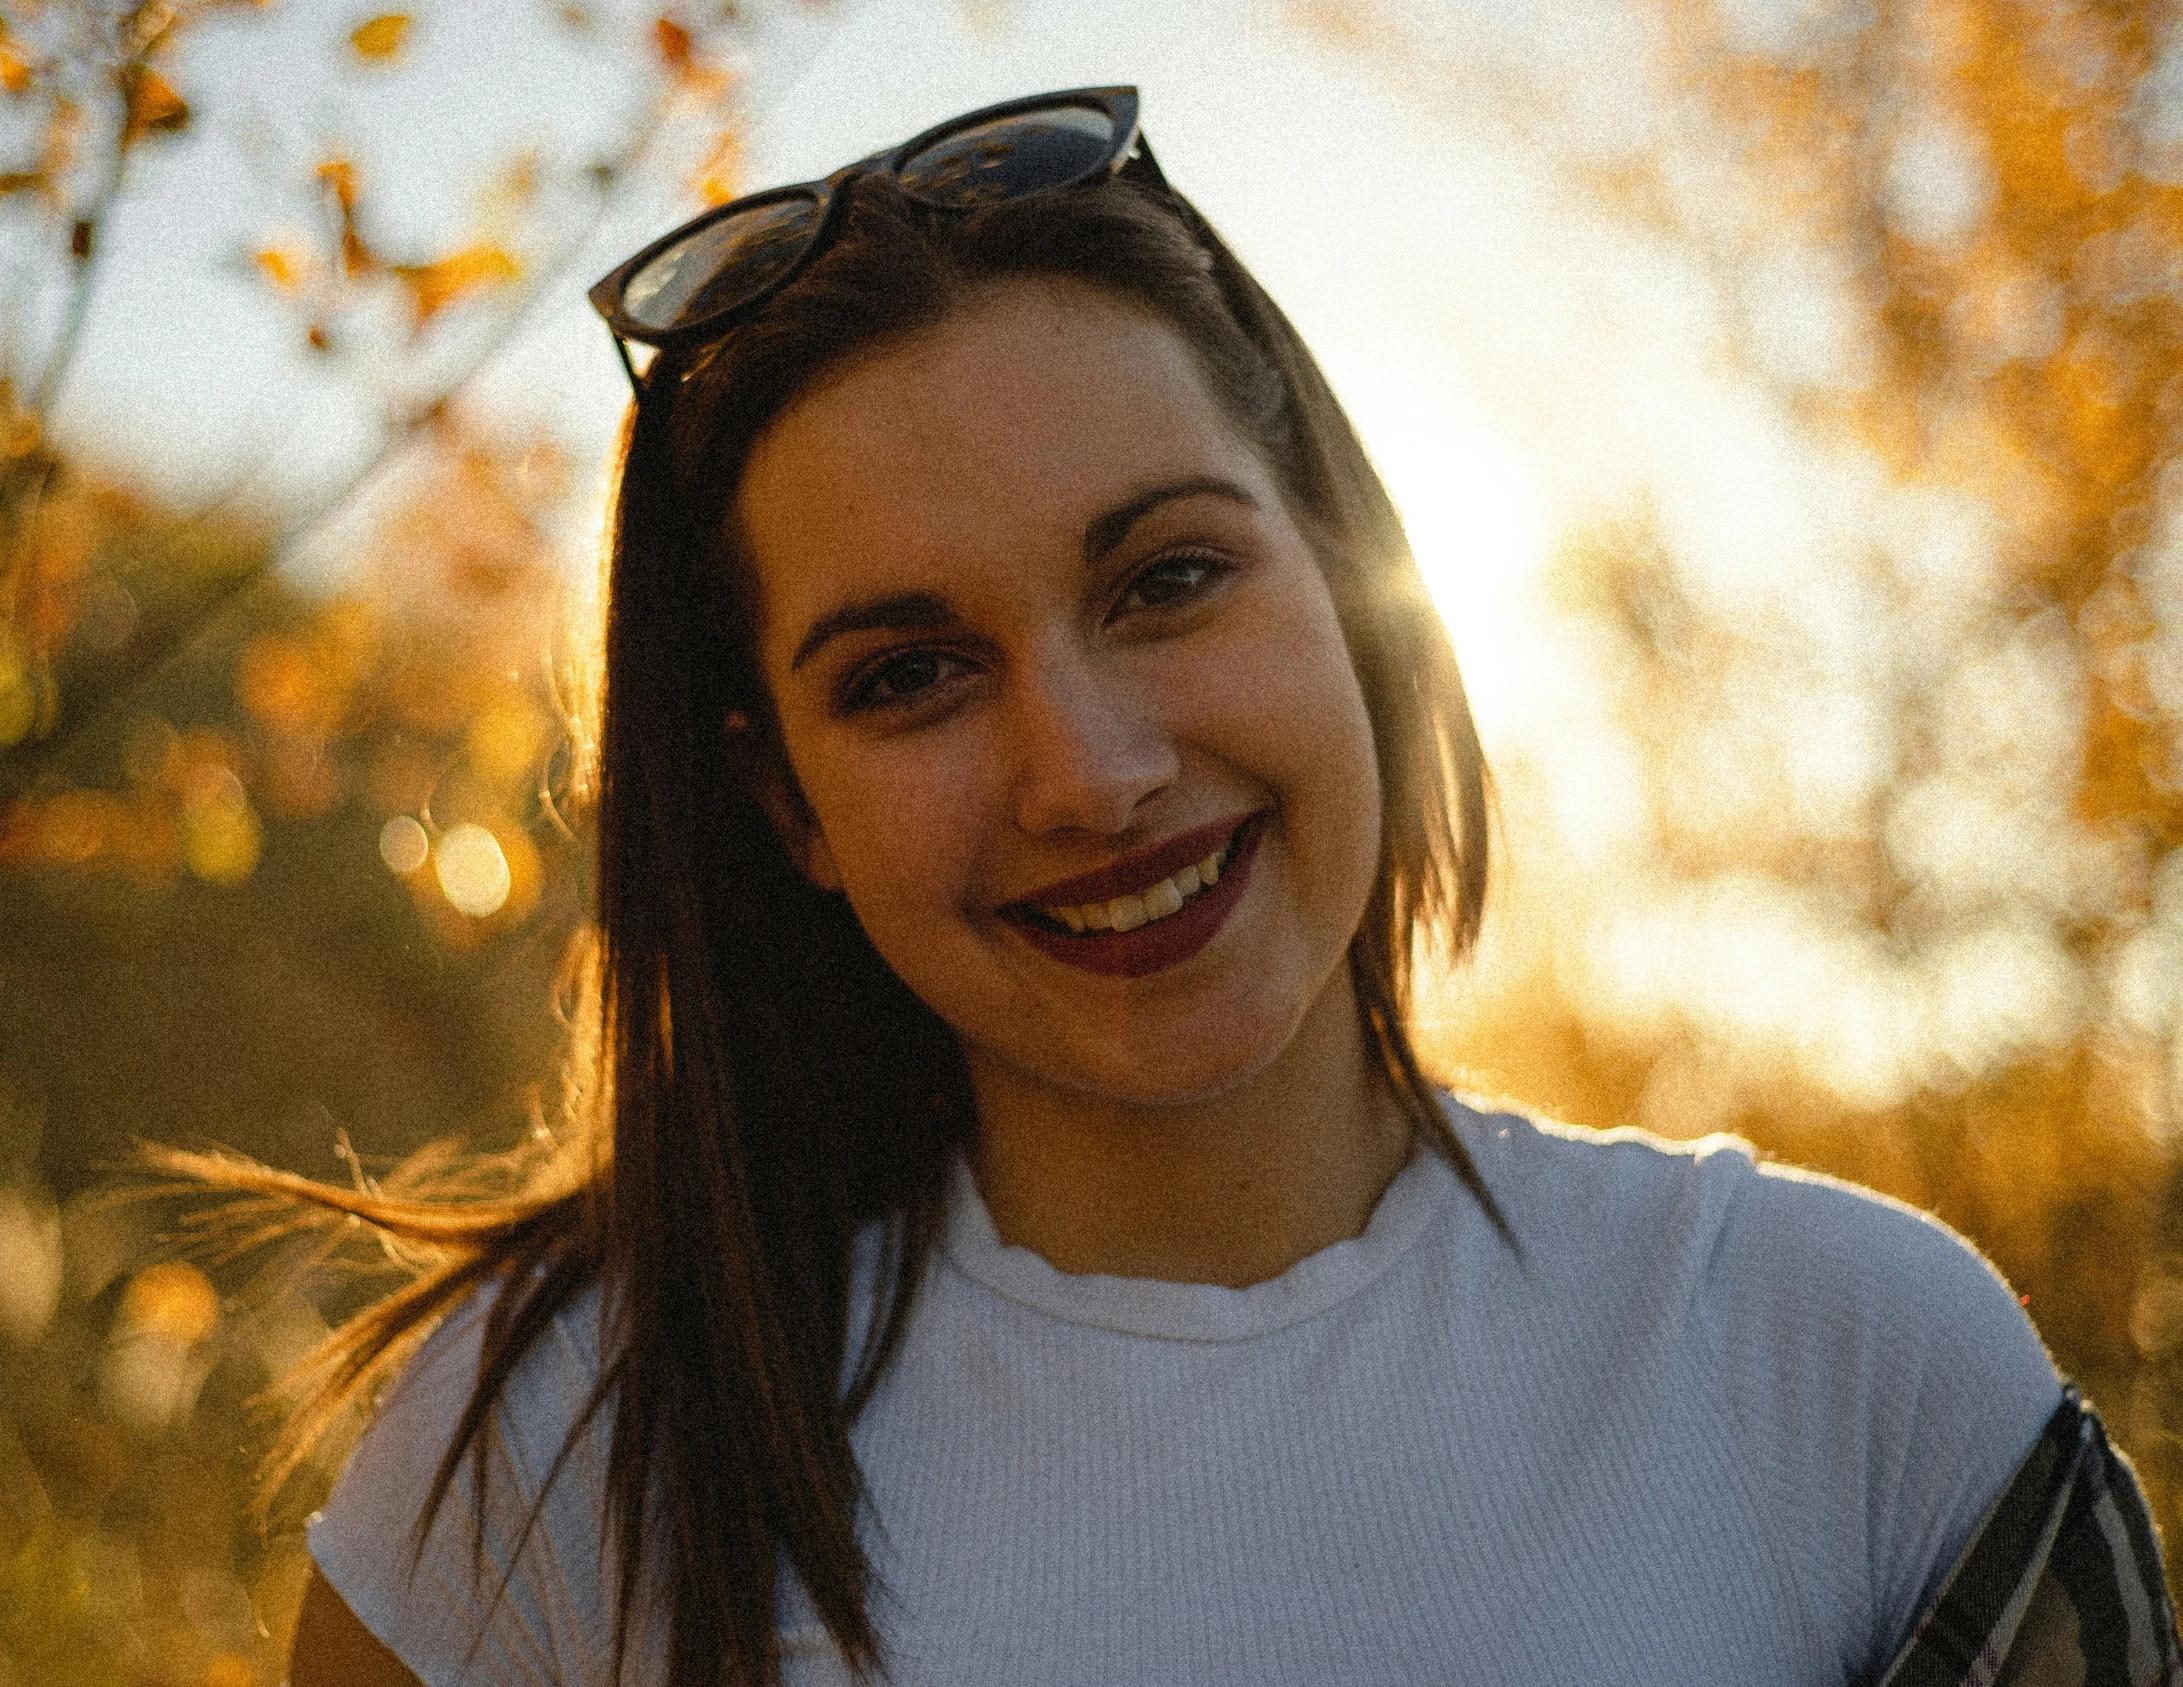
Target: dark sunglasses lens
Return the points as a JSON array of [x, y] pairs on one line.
[[1009, 157], [722, 264]]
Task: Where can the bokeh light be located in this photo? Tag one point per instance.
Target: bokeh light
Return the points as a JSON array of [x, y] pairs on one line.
[[404, 845], [472, 870], [1781, 399]]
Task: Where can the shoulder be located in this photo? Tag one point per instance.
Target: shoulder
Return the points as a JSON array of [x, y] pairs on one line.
[[536, 1525], [1755, 1248], [1870, 1273], [1878, 1377], [416, 1418], [1576, 1200]]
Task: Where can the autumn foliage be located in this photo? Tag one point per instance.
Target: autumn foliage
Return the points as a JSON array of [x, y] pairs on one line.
[[1894, 888], [276, 865], [1898, 889]]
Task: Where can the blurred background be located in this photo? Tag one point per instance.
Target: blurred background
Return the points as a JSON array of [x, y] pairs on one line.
[[1785, 398]]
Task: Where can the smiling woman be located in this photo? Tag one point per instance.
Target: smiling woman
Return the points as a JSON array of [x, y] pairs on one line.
[[1013, 1239]]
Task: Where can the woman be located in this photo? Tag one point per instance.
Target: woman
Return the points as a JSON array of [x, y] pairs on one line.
[[1022, 1245]]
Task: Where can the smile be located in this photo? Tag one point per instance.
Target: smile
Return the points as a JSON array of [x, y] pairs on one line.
[[1149, 913], [1127, 913]]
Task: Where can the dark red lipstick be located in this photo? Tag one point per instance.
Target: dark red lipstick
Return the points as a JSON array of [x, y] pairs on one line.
[[1156, 946]]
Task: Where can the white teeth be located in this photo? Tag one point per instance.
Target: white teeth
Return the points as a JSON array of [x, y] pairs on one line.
[[1127, 913], [1162, 899]]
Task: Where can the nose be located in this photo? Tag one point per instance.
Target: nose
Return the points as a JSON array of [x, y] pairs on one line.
[[1086, 751]]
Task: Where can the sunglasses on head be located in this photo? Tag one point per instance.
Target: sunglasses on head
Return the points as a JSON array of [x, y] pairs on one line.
[[694, 284]]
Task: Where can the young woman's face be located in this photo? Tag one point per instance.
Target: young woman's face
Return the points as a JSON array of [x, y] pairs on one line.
[[1063, 687]]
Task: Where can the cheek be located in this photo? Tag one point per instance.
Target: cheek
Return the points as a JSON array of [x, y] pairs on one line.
[[1288, 684], [903, 825]]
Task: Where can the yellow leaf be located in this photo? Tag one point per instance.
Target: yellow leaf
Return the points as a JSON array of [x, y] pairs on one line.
[[283, 269], [171, 1300], [433, 287], [229, 1669], [275, 681], [221, 837], [719, 175], [153, 106], [339, 175], [381, 38]]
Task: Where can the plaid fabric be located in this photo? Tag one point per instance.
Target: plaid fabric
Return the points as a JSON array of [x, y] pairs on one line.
[[2061, 1587]]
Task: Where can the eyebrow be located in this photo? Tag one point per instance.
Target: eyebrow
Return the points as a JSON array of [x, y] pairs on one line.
[[910, 612], [1103, 533], [922, 612]]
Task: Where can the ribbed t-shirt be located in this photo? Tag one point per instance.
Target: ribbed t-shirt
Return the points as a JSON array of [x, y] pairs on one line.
[[1707, 1421]]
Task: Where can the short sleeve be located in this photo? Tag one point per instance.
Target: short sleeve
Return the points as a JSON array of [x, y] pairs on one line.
[[1887, 1383], [552, 1621]]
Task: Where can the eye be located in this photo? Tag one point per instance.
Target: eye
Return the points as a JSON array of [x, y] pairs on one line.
[[1172, 580], [900, 679]]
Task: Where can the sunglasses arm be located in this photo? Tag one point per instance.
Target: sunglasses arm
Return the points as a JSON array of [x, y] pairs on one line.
[[621, 350], [1140, 162]]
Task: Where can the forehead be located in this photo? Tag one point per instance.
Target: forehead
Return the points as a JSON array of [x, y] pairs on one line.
[[1001, 430]]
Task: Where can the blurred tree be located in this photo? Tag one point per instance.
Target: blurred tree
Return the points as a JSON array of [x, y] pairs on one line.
[[1897, 889], [276, 864]]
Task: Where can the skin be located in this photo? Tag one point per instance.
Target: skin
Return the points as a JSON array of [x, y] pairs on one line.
[[334, 1649], [1056, 711], [1214, 1122]]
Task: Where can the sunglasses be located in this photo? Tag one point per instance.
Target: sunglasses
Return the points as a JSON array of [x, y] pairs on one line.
[[692, 285]]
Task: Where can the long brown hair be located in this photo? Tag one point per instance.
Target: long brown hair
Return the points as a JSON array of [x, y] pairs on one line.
[[758, 1087]]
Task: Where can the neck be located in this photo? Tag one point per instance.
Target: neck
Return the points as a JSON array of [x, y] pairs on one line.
[[1232, 1189]]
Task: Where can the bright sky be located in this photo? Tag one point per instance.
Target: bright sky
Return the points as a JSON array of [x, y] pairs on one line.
[[1422, 247]]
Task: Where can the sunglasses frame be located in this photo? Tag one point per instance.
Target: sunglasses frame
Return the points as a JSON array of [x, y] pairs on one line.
[[1126, 151]]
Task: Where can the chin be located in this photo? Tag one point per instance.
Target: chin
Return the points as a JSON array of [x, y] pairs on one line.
[[1173, 1066]]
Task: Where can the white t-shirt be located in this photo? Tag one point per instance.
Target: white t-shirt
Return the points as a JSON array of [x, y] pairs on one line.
[[1713, 1423]]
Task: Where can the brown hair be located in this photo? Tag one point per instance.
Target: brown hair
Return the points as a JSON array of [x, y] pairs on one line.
[[763, 1087]]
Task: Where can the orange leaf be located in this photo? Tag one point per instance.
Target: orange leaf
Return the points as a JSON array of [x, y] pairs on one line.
[[153, 105], [433, 287], [673, 42], [339, 175], [14, 67], [717, 177], [283, 269], [339, 178], [382, 37]]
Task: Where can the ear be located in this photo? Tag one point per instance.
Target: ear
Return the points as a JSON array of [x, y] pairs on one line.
[[793, 822]]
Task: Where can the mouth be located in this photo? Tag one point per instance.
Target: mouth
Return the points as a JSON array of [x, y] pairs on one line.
[[1143, 916]]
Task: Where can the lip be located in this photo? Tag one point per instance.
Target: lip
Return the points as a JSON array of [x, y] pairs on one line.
[[1163, 943], [1134, 873]]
